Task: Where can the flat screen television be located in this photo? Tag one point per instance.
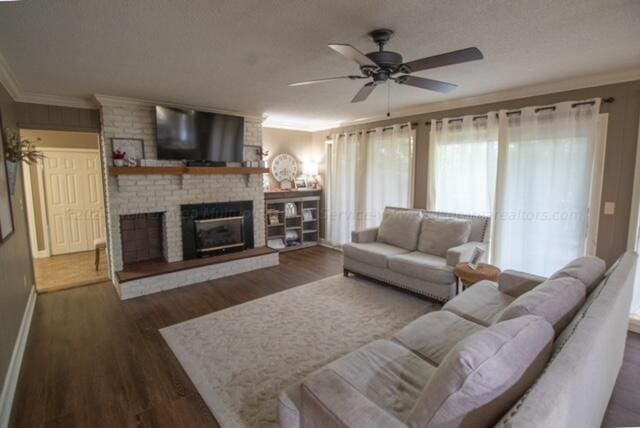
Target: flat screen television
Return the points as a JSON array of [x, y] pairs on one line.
[[199, 136]]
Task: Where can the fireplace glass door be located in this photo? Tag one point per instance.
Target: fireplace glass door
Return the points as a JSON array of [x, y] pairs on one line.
[[219, 234]]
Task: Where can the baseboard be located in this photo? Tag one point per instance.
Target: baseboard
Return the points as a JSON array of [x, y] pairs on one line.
[[634, 324], [11, 379]]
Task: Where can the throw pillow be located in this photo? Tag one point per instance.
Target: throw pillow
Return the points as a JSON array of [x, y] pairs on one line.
[[438, 234]]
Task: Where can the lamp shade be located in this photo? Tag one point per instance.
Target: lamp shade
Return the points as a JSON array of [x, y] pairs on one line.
[[310, 168]]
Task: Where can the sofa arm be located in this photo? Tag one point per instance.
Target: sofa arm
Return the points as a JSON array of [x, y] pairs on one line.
[[462, 253], [515, 283], [364, 235], [328, 401]]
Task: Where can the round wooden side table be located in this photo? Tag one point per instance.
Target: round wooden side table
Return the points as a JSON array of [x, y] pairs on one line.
[[466, 276]]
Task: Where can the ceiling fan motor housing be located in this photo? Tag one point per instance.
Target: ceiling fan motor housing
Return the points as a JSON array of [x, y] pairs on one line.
[[386, 59]]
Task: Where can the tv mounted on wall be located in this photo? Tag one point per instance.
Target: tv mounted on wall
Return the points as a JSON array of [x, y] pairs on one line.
[[199, 136]]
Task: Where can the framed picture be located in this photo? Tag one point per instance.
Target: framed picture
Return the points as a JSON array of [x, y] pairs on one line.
[[301, 183], [475, 257], [6, 214], [133, 147]]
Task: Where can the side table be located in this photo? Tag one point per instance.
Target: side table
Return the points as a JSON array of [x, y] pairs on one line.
[[466, 276]]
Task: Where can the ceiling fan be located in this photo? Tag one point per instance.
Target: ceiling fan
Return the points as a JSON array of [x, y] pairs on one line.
[[381, 66]]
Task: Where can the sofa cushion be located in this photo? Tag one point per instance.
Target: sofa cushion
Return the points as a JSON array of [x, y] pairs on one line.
[[372, 253], [589, 270], [484, 375], [481, 303], [381, 372], [555, 300], [400, 228], [438, 234], [434, 334], [423, 266]]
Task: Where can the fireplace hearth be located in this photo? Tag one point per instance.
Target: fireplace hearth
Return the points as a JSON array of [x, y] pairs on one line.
[[216, 228]]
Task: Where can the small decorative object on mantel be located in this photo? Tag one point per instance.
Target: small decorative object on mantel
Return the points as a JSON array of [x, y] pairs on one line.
[[19, 150], [132, 147], [118, 158], [301, 182], [284, 169], [263, 155], [286, 185]]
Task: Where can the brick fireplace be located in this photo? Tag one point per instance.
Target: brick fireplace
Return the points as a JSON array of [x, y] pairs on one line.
[[167, 195]]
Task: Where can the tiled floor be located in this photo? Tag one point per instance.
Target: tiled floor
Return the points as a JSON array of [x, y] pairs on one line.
[[68, 271]]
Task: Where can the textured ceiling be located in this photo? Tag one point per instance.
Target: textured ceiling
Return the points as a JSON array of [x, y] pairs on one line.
[[239, 55]]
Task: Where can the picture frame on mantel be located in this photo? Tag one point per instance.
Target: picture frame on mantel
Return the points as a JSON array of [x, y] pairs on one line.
[[6, 212], [133, 147]]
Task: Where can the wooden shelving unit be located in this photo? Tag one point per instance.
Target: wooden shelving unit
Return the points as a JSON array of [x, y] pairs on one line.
[[297, 231], [183, 170]]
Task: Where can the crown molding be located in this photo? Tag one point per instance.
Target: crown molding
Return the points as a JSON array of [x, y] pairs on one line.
[[56, 100], [117, 101], [509, 94], [10, 83]]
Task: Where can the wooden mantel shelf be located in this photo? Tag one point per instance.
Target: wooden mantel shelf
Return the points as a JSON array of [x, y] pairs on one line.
[[183, 170]]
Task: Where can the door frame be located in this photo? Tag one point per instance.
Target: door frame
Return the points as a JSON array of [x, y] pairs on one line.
[[634, 225], [46, 251]]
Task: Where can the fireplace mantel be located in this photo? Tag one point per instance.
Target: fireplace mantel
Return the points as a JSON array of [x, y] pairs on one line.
[[184, 170]]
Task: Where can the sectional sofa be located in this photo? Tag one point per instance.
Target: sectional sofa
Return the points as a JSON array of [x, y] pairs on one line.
[[416, 249], [526, 351]]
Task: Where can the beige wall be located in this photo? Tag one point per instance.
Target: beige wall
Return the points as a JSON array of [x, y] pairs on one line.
[[16, 274], [52, 140], [619, 158], [302, 145]]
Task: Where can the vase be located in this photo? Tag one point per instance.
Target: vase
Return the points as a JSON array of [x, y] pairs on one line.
[[12, 173], [118, 162], [262, 164]]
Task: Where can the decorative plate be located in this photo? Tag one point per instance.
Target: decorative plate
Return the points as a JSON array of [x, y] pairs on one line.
[[284, 167]]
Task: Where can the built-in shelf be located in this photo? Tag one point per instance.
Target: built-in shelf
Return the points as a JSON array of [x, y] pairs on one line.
[[306, 231], [184, 170]]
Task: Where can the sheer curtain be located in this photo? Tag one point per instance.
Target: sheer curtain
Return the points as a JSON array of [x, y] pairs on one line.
[[462, 164], [367, 170], [388, 166], [544, 186], [342, 187]]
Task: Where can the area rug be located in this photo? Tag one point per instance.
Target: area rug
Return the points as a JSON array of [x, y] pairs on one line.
[[240, 358]]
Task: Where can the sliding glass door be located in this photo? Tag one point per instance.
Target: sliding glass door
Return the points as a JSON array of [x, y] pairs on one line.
[[533, 170]]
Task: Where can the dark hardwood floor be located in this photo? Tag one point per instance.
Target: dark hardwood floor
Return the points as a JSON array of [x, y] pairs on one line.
[[95, 361]]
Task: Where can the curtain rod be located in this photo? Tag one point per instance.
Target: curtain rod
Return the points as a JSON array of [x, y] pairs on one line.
[[607, 100], [369, 131]]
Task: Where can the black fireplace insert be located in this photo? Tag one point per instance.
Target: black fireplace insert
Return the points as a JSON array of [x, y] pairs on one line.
[[217, 228]]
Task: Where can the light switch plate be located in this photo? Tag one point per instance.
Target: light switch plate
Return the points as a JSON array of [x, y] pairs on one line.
[[609, 208]]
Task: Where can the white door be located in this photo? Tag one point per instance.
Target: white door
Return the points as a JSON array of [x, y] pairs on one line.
[[75, 208]]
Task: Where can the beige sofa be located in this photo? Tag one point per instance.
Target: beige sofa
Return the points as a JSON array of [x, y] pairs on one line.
[[524, 352], [416, 249]]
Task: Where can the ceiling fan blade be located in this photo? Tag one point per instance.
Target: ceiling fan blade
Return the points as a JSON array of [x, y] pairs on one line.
[[328, 79], [364, 92], [354, 54], [450, 58], [430, 84]]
